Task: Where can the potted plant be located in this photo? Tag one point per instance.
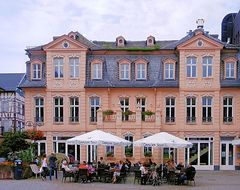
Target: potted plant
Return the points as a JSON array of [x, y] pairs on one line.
[[108, 112], [148, 154], [109, 154], [127, 112], [148, 113]]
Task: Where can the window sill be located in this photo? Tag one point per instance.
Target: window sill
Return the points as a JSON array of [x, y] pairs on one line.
[[169, 79], [191, 123], [58, 78], [33, 79], [207, 123], [74, 122], [208, 78], [74, 78], [170, 123], [58, 123], [192, 78], [96, 79], [141, 79], [227, 123]]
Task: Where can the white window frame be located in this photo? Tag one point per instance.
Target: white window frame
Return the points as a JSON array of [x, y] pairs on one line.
[[191, 106], [74, 67], [97, 71], [94, 105], [124, 106], [141, 71], [36, 71], [191, 63], [206, 106], [59, 106], [170, 119], [58, 67], [39, 107], [74, 109], [207, 62], [228, 106], [125, 71], [230, 70], [169, 70]]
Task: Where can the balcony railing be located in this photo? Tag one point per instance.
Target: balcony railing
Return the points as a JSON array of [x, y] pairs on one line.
[[191, 119], [131, 118], [110, 118], [58, 119], [73, 119], [207, 119], [149, 118], [170, 119], [227, 119]]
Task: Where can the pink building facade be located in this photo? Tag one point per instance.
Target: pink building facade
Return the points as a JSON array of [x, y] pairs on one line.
[[188, 87]]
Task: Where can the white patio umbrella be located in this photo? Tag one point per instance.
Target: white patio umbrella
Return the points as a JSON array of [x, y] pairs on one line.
[[163, 139], [236, 142], [98, 137]]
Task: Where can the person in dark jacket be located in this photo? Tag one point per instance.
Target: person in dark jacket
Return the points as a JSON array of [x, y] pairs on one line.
[[53, 165]]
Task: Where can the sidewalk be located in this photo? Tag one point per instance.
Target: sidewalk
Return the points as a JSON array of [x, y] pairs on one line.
[[219, 180]]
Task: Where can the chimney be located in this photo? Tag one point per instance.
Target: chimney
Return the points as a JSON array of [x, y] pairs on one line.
[[200, 23]]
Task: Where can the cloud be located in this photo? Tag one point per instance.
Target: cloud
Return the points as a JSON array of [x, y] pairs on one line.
[[35, 22]]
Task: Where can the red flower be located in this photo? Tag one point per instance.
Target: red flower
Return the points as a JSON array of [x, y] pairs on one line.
[[34, 134]]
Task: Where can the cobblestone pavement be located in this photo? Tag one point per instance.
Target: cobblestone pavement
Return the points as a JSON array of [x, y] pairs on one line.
[[219, 180]]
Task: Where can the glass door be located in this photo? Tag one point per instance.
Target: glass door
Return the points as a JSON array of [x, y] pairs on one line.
[[91, 153], [227, 156]]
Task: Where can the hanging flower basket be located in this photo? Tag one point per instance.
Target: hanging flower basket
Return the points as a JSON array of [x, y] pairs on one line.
[[35, 134]]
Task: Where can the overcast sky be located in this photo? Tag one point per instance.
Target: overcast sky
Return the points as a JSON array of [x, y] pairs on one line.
[[34, 22]]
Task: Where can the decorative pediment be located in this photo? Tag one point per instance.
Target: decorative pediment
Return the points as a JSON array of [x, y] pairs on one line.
[[200, 41], [141, 60], [65, 43], [124, 60], [169, 60]]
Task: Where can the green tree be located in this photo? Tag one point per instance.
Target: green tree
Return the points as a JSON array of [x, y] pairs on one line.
[[13, 142]]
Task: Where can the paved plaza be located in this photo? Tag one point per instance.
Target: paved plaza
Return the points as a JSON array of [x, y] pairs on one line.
[[219, 180]]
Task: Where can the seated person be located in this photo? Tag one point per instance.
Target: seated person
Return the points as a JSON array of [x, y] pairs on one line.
[[180, 166], [91, 171], [144, 173], [83, 165], [118, 167], [187, 174], [66, 167], [189, 171]]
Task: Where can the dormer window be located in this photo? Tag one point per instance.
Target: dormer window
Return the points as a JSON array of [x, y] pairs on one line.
[[96, 68], [230, 68], [36, 71], [150, 41], [169, 69], [120, 41], [141, 69], [74, 35], [124, 69]]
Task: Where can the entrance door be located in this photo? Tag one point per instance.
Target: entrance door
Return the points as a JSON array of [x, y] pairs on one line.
[[227, 156], [92, 153]]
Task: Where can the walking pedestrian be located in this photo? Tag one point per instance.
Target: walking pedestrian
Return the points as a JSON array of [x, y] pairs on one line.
[[53, 165]]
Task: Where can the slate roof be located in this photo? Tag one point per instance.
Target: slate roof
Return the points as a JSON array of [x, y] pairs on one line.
[[103, 45], [10, 81], [111, 76], [26, 83]]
